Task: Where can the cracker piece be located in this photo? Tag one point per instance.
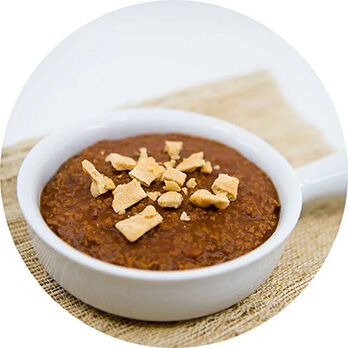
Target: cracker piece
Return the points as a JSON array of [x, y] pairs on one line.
[[191, 163], [170, 164], [154, 195], [192, 183], [136, 226], [171, 186], [185, 190], [203, 198], [173, 148], [142, 154], [226, 184], [146, 171], [126, 195], [120, 162], [173, 174], [100, 182], [170, 199], [206, 168], [184, 216], [217, 167]]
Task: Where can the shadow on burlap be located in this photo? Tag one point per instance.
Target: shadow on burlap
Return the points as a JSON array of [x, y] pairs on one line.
[[254, 103]]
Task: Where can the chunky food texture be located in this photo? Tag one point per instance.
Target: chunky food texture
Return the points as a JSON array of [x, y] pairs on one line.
[[100, 183], [135, 226], [188, 236], [170, 199]]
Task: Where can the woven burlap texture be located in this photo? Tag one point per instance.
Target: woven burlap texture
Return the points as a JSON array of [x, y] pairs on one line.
[[253, 102]]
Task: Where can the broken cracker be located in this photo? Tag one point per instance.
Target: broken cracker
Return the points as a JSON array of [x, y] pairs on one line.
[[154, 195], [206, 168], [100, 182], [184, 189], [184, 216], [170, 164], [142, 154], [120, 162], [173, 148], [171, 186], [127, 195], [227, 185], [170, 199], [203, 198], [146, 171], [192, 183], [216, 167], [136, 226], [191, 163], [173, 174]]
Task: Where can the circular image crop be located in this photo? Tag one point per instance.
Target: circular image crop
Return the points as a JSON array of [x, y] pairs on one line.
[[178, 176]]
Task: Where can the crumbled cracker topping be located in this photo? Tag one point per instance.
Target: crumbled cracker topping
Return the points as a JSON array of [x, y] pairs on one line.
[[136, 226], [127, 195], [100, 182], [203, 198], [207, 168], [154, 195], [227, 185], [171, 186], [173, 148], [170, 199], [173, 174], [120, 162], [142, 154], [191, 163], [184, 216], [192, 183], [170, 163], [146, 171]]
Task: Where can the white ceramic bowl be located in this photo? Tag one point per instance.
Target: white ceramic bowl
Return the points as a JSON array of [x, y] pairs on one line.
[[166, 295]]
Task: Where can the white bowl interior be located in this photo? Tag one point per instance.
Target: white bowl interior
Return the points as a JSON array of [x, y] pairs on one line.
[[46, 157]]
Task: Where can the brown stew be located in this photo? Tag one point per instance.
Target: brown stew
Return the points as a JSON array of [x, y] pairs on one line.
[[212, 236]]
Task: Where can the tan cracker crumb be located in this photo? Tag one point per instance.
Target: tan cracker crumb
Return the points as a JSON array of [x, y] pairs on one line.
[[154, 195], [191, 163], [226, 184], [170, 163], [137, 225], [184, 216], [126, 195], [146, 171], [170, 199], [120, 162], [142, 154], [173, 174], [184, 189], [192, 183], [173, 148], [206, 168], [204, 198], [100, 182], [171, 186]]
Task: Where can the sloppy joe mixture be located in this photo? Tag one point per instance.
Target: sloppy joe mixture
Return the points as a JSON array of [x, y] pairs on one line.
[[161, 202]]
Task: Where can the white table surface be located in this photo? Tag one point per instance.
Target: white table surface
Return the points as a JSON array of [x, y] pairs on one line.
[[149, 50]]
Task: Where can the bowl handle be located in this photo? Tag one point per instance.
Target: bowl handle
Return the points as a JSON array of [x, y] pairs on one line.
[[325, 177]]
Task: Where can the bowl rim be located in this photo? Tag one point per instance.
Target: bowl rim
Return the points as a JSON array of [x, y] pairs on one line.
[[29, 206]]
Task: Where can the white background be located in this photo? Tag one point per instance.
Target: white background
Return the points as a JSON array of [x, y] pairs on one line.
[[30, 30]]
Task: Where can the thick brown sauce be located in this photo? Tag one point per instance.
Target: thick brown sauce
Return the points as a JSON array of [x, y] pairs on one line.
[[211, 237]]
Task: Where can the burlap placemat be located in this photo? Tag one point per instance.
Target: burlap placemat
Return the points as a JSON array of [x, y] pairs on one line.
[[255, 103]]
